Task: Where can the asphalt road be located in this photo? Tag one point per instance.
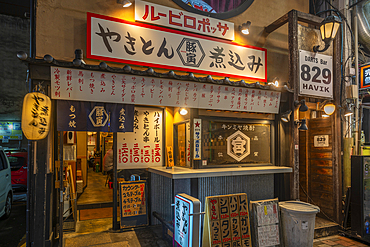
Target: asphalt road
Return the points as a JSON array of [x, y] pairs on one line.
[[14, 228]]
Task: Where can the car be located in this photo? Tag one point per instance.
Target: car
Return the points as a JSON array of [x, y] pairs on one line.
[[6, 192], [18, 166]]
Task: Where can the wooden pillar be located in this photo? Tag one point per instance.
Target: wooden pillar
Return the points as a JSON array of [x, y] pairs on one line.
[[293, 80], [336, 126]]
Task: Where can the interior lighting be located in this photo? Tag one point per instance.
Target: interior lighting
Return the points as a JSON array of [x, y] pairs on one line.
[[347, 111]]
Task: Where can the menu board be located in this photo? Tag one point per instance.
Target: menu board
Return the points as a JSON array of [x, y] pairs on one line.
[[226, 222], [133, 203], [142, 147]]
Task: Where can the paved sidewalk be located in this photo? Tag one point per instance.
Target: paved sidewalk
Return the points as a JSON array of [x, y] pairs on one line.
[[337, 241]]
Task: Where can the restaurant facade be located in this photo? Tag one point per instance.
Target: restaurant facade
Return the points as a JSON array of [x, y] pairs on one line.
[[183, 102]]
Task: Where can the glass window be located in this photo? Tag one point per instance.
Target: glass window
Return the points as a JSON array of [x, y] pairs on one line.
[[227, 143], [15, 162], [3, 164], [182, 144]]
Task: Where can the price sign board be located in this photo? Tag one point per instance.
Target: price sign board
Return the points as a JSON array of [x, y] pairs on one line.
[[315, 74], [226, 221], [133, 203]]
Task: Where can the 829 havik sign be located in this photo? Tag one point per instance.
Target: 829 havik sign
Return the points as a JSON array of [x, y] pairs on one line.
[[118, 40], [315, 74]]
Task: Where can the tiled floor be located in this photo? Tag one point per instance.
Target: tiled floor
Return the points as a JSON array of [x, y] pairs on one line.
[[337, 241], [96, 191]]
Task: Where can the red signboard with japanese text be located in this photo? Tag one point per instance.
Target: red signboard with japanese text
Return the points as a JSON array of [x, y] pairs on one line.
[[180, 19], [118, 40]]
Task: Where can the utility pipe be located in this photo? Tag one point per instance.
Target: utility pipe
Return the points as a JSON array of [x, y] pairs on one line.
[[356, 131]]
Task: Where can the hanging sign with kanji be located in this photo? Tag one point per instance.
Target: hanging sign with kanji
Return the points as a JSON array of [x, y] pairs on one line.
[[179, 19], [94, 116], [142, 147], [122, 41]]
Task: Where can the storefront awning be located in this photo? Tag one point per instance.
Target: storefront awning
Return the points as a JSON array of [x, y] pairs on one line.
[[94, 116]]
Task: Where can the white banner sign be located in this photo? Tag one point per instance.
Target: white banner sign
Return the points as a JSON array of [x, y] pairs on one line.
[[83, 85], [197, 139], [180, 19], [120, 41], [143, 147], [315, 74]]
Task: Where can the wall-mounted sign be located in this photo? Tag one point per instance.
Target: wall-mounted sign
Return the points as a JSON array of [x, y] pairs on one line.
[[83, 85], [321, 141], [179, 19], [144, 146], [231, 143], [197, 139], [36, 113], [365, 76], [120, 41], [10, 131], [226, 222], [93, 116], [315, 74], [187, 221]]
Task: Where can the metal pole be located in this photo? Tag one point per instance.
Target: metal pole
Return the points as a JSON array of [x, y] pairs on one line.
[[61, 189], [356, 131]]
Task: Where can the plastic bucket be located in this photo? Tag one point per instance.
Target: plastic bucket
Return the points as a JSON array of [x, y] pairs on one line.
[[298, 223]]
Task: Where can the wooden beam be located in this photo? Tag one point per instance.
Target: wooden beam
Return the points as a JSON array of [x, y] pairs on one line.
[[276, 24]]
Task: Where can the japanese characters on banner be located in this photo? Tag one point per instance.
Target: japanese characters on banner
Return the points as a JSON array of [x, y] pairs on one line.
[[197, 138], [187, 221], [315, 74], [132, 198], [118, 40], [83, 85], [188, 143], [93, 116], [180, 19], [142, 147], [266, 222], [226, 221]]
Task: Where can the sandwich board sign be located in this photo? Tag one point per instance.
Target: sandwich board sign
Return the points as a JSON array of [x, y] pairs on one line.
[[187, 221]]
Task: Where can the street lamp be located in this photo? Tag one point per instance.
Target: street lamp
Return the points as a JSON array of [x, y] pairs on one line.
[[328, 29]]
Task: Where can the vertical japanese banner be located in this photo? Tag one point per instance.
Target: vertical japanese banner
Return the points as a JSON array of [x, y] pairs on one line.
[[197, 138], [226, 221], [143, 147], [187, 136], [187, 221]]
